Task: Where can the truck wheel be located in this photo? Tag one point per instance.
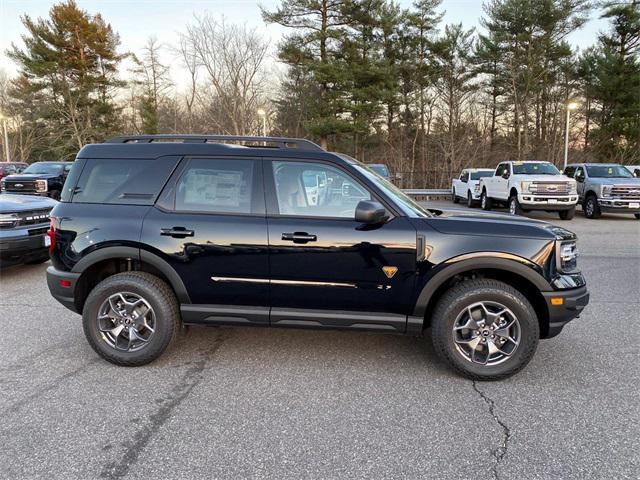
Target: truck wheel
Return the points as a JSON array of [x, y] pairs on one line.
[[485, 329], [637, 215], [591, 207], [130, 318], [514, 206], [567, 214], [54, 194], [485, 202], [470, 202], [454, 196]]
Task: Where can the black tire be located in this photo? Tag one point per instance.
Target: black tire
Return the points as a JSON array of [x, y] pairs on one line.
[[567, 214], [514, 205], [54, 194], [485, 201], [637, 215], [591, 208], [454, 196], [470, 202], [159, 296], [456, 300]]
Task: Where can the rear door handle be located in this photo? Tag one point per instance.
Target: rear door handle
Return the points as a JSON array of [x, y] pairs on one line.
[[176, 232], [299, 237]]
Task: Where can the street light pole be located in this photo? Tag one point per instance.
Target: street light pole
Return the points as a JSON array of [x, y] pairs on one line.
[[7, 154], [570, 106]]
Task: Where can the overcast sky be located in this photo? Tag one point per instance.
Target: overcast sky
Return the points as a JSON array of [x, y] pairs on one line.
[[136, 20]]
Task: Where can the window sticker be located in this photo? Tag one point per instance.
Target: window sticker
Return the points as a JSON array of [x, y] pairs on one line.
[[219, 187]]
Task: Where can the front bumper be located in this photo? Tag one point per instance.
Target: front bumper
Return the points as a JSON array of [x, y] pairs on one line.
[[26, 192], [564, 306], [617, 205], [530, 201], [23, 247], [62, 286]]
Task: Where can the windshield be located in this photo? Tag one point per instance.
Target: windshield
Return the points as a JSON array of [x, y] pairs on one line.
[[608, 171], [381, 170], [406, 203], [537, 168], [44, 168], [479, 175]]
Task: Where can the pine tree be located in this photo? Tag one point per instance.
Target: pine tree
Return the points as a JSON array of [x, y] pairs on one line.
[[70, 60]]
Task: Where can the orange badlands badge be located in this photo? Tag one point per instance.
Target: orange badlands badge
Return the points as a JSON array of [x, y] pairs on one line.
[[389, 271]]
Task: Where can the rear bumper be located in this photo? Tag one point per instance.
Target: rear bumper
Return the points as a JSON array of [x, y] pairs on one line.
[[23, 248], [573, 302], [62, 286]]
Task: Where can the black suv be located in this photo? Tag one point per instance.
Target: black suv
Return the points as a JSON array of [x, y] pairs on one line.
[[40, 178], [158, 231]]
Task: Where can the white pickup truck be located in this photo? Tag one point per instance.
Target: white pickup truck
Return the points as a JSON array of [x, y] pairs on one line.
[[530, 185], [467, 185]]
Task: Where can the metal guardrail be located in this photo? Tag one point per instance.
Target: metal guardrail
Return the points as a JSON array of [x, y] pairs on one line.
[[422, 194]]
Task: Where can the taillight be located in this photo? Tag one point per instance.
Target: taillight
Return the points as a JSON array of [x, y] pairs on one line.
[[51, 234]]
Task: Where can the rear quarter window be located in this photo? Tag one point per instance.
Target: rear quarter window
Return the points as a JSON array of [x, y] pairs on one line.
[[122, 181]]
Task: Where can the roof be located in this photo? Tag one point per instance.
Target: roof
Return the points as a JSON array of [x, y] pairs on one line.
[[153, 146]]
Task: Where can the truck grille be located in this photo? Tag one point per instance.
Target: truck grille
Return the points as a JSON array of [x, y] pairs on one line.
[[627, 192], [32, 217], [551, 188], [19, 186]]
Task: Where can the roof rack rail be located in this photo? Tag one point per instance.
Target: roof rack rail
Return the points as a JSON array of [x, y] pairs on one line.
[[268, 142]]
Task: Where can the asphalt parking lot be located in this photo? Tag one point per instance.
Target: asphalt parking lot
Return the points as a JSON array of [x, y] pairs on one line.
[[262, 403]]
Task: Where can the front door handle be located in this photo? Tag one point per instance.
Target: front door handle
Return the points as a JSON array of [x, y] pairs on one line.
[[176, 232], [299, 237]]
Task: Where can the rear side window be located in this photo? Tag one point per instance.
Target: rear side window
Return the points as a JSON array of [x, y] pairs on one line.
[[220, 186], [123, 181]]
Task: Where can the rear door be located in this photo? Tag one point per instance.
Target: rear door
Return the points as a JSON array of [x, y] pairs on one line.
[[327, 270], [209, 225]]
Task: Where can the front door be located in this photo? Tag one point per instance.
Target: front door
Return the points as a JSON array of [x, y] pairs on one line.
[[326, 268], [210, 226]]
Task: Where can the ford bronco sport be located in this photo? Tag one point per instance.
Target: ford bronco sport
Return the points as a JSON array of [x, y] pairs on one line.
[[158, 231]]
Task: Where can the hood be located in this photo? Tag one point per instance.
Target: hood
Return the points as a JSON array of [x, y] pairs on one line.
[[29, 177], [495, 225], [616, 181], [546, 178], [21, 203]]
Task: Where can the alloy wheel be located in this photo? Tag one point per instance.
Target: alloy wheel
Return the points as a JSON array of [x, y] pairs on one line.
[[512, 206], [126, 321], [486, 333]]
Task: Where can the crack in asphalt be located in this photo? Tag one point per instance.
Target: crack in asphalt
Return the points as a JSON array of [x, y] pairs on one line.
[[500, 452], [141, 438]]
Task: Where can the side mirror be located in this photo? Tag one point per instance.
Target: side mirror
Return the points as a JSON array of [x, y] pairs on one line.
[[370, 212], [505, 175], [579, 178]]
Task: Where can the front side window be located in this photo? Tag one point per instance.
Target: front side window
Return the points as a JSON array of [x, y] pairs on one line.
[[217, 186], [316, 190]]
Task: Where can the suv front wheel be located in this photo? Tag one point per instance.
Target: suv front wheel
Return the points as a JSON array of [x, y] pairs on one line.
[[130, 318], [485, 329]]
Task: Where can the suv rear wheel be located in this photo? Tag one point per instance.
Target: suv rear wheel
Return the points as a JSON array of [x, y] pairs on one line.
[[485, 329], [130, 318]]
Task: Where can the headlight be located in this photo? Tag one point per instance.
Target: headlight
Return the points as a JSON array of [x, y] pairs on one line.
[[477, 188], [568, 256], [525, 186], [41, 185], [8, 220], [606, 190], [574, 188]]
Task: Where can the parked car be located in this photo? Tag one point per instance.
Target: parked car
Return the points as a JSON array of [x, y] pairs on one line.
[[634, 169], [605, 188], [467, 185], [24, 221], [40, 178], [530, 185], [9, 168], [152, 233], [381, 169]]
